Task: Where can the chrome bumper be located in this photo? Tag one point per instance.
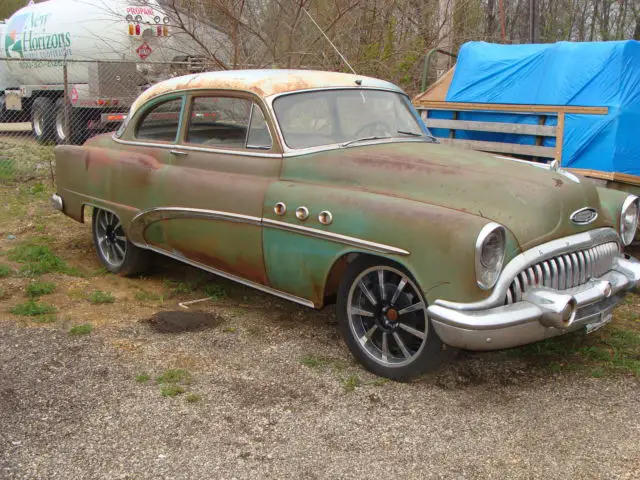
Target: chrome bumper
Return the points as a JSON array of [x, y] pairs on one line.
[[56, 202], [537, 316]]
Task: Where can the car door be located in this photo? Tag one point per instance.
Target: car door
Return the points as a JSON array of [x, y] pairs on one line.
[[215, 185]]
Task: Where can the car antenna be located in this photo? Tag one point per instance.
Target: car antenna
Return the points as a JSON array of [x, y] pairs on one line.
[[359, 82]]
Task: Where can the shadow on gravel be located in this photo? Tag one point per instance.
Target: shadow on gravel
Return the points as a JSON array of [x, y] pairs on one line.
[[181, 321]]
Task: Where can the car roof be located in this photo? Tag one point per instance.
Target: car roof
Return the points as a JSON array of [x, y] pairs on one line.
[[263, 83]]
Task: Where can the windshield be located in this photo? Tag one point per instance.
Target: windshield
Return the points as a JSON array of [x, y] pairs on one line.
[[328, 117]]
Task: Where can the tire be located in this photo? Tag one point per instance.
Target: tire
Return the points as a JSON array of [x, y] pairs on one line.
[[392, 337], [74, 131], [43, 120], [114, 250]]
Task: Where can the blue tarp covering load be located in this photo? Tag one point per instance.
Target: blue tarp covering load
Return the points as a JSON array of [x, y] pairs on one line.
[[599, 74]]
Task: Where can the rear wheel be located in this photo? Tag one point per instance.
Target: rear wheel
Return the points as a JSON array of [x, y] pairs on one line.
[[73, 131], [43, 119], [383, 319], [114, 249]]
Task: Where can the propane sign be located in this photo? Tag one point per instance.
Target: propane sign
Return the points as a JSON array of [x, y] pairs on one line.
[[144, 50]]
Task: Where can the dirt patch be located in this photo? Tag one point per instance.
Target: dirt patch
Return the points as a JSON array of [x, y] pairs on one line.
[[182, 321]]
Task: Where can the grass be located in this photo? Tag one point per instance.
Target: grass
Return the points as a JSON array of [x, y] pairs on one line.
[[142, 378], [31, 308], [614, 349], [84, 329], [39, 259], [229, 329], [350, 383], [313, 361], [214, 292], [144, 296], [171, 390], [20, 161], [99, 297], [44, 319], [5, 270], [174, 376], [37, 289], [193, 398]]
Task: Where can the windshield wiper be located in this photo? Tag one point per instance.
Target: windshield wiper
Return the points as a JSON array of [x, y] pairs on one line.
[[416, 134], [373, 137]]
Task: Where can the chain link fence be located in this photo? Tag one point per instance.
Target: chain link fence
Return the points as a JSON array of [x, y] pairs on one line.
[[44, 103]]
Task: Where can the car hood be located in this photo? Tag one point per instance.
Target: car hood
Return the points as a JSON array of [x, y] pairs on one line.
[[534, 203]]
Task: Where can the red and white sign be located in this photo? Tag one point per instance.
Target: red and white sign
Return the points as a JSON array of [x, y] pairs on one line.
[[144, 51], [74, 95]]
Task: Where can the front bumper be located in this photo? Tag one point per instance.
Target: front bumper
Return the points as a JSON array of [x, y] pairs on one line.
[[532, 319]]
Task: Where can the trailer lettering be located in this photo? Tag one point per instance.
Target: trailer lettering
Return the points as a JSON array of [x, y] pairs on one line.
[[26, 38]]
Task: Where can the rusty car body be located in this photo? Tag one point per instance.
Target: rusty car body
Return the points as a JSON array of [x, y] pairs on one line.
[[315, 186]]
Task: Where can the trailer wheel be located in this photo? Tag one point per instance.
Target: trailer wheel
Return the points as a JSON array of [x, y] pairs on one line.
[[75, 130], [43, 119]]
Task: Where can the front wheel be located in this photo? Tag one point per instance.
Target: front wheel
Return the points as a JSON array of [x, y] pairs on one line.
[[383, 319], [114, 250]]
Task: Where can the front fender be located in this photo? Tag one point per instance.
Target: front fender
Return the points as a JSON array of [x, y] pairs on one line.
[[440, 242]]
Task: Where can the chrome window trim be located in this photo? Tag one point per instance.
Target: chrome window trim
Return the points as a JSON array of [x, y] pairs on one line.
[[524, 260], [143, 219], [242, 153]]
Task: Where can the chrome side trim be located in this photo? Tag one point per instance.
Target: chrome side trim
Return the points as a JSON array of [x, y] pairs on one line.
[[181, 147], [145, 218], [142, 220], [548, 250], [228, 276], [334, 237]]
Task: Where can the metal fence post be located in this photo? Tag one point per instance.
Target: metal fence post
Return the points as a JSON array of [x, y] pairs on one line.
[[67, 106]]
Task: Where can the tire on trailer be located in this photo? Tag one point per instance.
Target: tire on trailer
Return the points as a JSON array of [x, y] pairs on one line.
[[383, 318], [43, 120], [74, 131], [114, 250]]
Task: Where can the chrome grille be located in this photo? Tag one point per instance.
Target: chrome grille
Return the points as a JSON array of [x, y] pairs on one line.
[[564, 271]]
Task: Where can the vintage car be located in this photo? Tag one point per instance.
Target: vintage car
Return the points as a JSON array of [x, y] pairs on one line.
[[320, 187]]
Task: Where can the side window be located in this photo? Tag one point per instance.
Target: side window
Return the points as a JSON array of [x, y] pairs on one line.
[[228, 123], [258, 136], [160, 123]]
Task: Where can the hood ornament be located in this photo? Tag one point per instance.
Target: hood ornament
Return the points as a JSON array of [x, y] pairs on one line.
[[584, 216]]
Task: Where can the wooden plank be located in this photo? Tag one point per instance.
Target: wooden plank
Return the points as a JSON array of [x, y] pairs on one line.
[[508, 107], [610, 176], [497, 127], [559, 138], [514, 148]]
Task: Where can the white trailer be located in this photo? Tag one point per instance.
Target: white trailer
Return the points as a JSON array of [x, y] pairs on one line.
[[70, 66]]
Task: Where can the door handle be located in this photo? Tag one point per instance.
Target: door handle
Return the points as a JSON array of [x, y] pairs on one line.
[[178, 153]]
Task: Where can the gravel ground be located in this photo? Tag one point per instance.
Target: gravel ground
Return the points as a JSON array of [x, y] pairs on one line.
[[70, 407]]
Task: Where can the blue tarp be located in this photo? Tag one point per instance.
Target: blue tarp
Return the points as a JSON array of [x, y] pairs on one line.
[[565, 73]]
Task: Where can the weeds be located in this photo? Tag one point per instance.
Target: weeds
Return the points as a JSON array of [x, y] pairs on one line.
[[214, 292], [144, 296], [142, 378], [98, 297], [5, 270], [31, 308], [37, 289], [171, 390], [174, 376], [39, 259], [84, 329], [351, 382], [193, 398]]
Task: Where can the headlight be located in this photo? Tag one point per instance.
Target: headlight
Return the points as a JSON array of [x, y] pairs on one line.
[[490, 247], [629, 219]]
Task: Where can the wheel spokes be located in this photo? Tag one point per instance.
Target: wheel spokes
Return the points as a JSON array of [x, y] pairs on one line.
[[381, 284], [361, 312], [412, 331], [367, 336], [401, 345], [399, 288], [412, 308], [385, 346], [367, 293]]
